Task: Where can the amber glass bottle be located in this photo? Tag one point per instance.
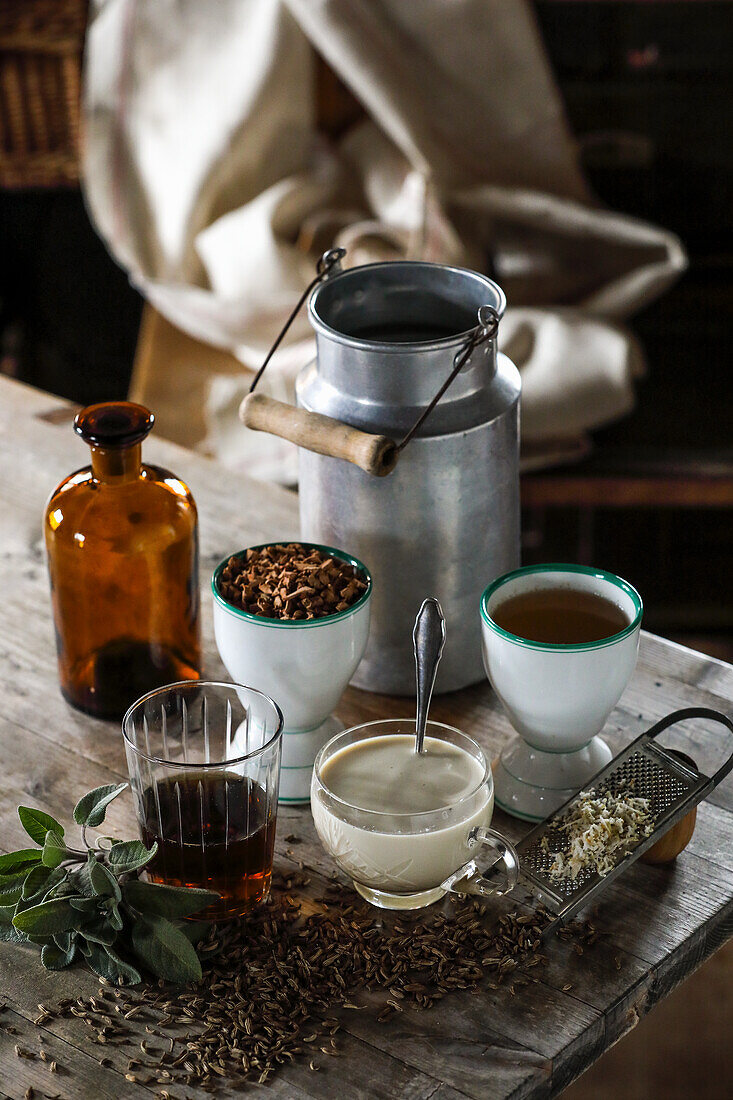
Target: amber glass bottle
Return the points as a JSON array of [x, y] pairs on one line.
[[122, 545]]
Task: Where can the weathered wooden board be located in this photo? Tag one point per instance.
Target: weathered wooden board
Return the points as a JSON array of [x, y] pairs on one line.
[[658, 924]]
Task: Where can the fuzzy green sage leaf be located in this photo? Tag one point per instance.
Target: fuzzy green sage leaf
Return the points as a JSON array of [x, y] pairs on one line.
[[114, 915], [52, 916], [8, 881], [81, 879], [11, 935], [54, 958], [164, 950], [12, 888], [8, 933], [108, 964], [54, 849], [37, 824], [11, 895], [41, 879], [83, 903], [130, 855], [64, 940], [166, 901], [15, 861], [103, 881], [92, 807], [195, 930], [99, 932]]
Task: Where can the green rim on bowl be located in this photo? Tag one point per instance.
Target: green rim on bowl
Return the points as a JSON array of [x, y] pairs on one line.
[[294, 624], [561, 567]]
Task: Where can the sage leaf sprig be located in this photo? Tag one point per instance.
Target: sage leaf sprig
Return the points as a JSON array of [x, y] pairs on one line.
[[88, 903]]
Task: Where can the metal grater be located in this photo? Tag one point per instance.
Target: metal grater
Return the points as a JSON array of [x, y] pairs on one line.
[[670, 782]]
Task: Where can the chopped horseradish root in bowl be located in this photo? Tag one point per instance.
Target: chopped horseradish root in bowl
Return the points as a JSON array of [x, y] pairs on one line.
[[598, 830], [291, 582], [292, 619]]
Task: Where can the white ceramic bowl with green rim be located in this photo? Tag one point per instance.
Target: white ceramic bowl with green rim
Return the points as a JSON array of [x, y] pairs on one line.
[[304, 665], [557, 696]]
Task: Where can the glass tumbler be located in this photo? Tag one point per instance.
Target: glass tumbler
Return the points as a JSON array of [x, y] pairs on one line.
[[204, 764]]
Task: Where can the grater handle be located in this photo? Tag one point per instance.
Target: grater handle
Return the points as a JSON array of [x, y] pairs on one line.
[[698, 712]]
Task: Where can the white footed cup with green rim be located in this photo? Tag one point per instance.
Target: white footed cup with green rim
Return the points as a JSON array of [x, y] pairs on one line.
[[557, 696], [304, 664]]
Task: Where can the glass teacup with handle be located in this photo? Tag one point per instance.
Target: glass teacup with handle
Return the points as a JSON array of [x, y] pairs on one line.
[[409, 827]]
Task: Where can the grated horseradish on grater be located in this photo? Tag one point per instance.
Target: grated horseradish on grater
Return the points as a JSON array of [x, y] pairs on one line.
[[599, 830]]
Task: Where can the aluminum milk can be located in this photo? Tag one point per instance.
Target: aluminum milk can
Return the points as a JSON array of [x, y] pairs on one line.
[[444, 521]]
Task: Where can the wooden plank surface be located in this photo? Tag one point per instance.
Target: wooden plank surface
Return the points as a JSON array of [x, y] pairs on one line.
[[660, 923]]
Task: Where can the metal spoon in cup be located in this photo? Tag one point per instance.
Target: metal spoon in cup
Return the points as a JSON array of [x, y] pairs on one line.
[[428, 638]]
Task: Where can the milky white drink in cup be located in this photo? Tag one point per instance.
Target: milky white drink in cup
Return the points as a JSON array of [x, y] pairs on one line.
[[387, 776], [401, 823]]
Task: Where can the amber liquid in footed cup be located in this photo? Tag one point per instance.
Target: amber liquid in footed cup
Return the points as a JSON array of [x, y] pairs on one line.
[[122, 544]]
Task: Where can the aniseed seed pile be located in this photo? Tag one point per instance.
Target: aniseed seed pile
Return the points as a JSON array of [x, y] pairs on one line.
[[273, 984]]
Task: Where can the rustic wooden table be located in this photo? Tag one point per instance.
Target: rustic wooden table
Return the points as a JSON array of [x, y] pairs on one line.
[[661, 923]]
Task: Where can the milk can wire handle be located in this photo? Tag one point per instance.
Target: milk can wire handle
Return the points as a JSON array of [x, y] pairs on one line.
[[376, 454], [329, 262], [488, 323]]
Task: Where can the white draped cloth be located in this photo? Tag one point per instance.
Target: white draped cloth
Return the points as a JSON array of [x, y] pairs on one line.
[[206, 176]]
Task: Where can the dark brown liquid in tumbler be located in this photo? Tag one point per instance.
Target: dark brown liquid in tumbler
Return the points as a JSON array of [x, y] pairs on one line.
[[562, 616], [217, 834]]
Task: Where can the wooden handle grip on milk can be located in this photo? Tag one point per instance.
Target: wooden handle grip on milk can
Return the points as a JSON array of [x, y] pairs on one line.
[[376, 454]]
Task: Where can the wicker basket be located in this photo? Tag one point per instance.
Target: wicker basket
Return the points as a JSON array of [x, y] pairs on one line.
[[41, 45]]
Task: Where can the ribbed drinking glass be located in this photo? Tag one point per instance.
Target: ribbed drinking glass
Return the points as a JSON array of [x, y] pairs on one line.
[[204, 763]]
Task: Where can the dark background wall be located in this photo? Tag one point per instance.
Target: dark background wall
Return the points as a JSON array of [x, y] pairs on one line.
[[648, 88], [68, 316]]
